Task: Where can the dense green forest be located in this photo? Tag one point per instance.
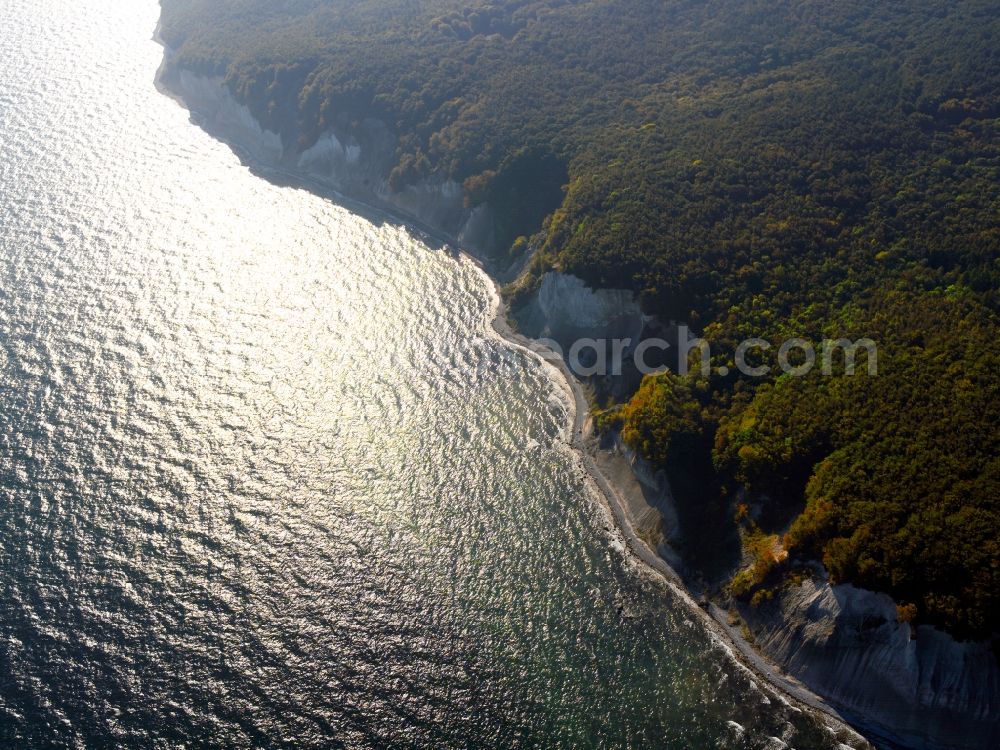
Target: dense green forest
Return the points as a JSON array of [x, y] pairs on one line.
[[757, 169]]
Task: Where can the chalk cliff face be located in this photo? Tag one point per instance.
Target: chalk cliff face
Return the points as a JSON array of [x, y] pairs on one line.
[[565, 310], [646, 497], [922, 688], [356, 164], [479, 229], [210, 98], [347, 162]]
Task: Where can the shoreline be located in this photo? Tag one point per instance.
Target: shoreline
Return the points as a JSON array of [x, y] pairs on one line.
[[581, 441], [579, 437]]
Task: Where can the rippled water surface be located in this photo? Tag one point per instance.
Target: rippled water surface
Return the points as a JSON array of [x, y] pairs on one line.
[[265, 478]]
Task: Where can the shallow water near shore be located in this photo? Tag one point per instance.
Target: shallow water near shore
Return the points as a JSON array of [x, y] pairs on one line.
[[268, 479]]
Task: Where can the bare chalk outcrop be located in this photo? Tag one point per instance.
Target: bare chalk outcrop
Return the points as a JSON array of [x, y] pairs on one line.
[[920, 688], [356, 164]]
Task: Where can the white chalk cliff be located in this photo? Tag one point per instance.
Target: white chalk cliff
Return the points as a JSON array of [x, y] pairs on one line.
[[922, 688], [565, 310], [356, 165]]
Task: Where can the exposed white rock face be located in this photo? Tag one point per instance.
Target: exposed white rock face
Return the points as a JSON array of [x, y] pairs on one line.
[[650, 503], [566, 301], [479, 229], [210, 98], [355, 166], [323, 156], [846, 644], [340, 160], [566, 310], [437, 203]]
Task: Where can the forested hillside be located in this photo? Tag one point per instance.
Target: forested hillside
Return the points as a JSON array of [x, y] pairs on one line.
[[756, 169]]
